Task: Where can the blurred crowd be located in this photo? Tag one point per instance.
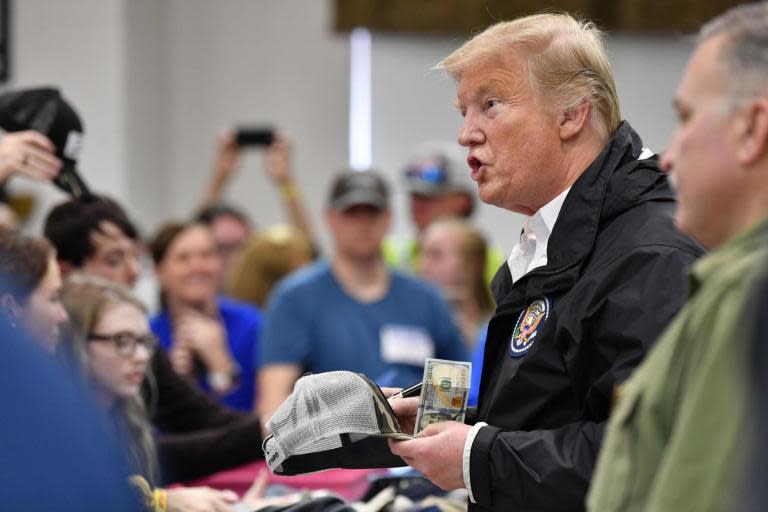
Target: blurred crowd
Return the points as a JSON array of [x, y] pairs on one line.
[[137, 396]]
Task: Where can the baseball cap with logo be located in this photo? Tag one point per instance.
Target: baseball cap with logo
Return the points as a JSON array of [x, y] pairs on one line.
[[437, 168], [331, 420], [44, 110], [352, 188]]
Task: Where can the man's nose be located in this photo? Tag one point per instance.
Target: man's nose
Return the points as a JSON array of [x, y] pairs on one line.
[[469, 133]]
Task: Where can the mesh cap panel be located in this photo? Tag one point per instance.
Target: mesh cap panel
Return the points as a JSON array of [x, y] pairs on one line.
[[320, 409]]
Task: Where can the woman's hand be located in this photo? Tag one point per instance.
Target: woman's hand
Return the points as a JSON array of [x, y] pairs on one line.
[[200, 499]]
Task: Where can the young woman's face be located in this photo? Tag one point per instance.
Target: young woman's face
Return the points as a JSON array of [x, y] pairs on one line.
[[189, 271], [43, 314], [118, 372], [441, 259]]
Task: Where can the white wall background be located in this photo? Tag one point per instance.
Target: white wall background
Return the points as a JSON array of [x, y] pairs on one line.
[[156, 80]]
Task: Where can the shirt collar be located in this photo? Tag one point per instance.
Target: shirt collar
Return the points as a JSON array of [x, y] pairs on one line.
[[543, 221], [721, 260]]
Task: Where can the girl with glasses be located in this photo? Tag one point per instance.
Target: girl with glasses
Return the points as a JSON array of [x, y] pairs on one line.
[[112, 343]]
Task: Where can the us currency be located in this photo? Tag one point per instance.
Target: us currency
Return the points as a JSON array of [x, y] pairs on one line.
[[444, 392]]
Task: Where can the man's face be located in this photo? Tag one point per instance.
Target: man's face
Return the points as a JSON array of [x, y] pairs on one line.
[[700, 155], [115, 256], [427, 209], [511, 136], [230, 234], [43, 314], [359, 230]]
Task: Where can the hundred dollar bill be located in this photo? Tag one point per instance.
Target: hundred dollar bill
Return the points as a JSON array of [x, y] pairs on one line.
[[444, 392]]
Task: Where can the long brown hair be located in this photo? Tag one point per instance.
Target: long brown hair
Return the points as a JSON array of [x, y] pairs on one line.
[[86, 298], [23, 263]]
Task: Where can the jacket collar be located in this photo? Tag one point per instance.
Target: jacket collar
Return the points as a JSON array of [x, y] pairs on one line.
[[608, 187]]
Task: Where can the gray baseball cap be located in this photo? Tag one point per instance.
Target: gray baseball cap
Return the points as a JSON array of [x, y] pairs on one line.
[[436, 168], [352, 188], [331, 420]]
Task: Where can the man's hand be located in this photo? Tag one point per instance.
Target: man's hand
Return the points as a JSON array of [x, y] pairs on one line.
[[405, 409], [29, 153], [437, 452]]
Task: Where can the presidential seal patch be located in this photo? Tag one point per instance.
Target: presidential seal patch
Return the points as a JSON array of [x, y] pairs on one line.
[[531, 320]]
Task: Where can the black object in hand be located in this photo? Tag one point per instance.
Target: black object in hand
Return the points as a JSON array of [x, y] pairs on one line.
[[408, 392], [255, 136]]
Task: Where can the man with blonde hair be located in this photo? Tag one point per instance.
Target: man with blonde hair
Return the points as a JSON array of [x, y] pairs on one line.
[[676, 436], [597, 274]]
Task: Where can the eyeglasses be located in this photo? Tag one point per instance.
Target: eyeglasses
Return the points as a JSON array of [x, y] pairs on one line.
[[126, 342]]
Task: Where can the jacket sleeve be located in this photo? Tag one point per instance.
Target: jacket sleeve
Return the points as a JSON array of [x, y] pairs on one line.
[[175, 406], [620, 312], [196, 454], [197, 435]]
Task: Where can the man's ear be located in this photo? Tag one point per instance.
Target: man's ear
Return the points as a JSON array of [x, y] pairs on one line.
[[571, 121], [10, 309], [753, 133], [66, 268]]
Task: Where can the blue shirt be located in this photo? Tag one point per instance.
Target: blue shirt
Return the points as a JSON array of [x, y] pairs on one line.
[[312, 322], [55, 450], [242, 323], [477, 366]]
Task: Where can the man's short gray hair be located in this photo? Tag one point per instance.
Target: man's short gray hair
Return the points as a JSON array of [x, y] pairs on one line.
[[565, 62], [744, 54]]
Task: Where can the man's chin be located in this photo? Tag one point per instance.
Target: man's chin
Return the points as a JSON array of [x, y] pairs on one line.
[[687, 228]]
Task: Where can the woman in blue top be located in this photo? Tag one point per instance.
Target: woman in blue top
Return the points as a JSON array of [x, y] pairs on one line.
[[210, 339]]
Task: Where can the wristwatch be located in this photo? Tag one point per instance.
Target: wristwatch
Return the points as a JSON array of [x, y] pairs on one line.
[[221, 382]]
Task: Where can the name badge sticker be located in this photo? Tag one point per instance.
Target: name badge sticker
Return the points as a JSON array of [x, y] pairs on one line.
[[404, 344]]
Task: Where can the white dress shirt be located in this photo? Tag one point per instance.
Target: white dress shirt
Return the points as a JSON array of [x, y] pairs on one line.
[[529, 253]]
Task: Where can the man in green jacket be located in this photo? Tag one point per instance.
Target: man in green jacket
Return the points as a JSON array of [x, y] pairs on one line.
[[676, 435]]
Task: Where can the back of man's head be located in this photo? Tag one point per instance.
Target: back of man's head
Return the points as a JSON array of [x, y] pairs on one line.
[[744, 54], [69, 226], [209, 215], [565, 59]]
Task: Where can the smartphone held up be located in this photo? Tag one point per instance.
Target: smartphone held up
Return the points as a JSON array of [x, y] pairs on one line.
[[254, 136]]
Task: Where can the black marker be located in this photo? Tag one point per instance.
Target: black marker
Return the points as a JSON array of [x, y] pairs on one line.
[[408, 392]]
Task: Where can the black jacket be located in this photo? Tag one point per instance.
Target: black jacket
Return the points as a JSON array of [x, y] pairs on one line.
[[615, 277], [199, 435]]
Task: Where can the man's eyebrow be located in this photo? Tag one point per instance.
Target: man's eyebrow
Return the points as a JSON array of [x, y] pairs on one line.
[[481, 91]]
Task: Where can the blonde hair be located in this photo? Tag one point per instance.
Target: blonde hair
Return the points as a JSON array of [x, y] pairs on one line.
[[266, 259], [565, 62], [86, 298]]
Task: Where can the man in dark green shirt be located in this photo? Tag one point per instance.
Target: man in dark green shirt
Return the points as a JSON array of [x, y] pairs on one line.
[[675, 438]]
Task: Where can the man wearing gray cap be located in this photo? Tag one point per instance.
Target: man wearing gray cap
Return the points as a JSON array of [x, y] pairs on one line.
[[352, 312], [438, 188]]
